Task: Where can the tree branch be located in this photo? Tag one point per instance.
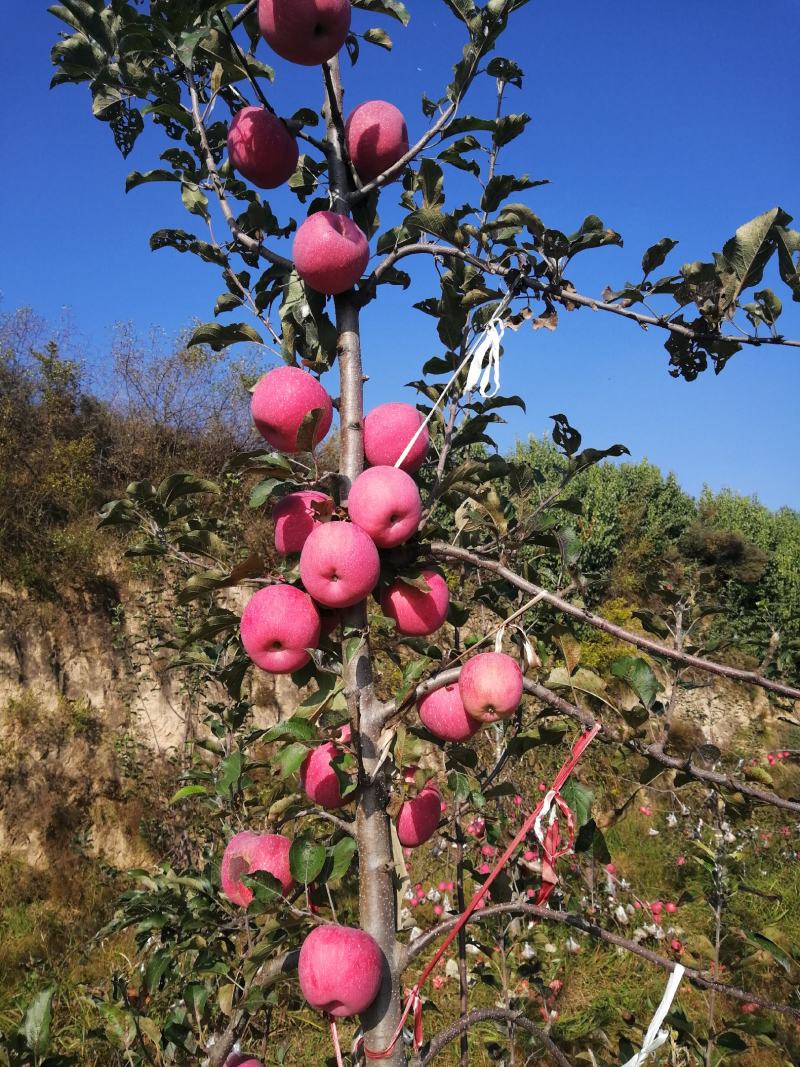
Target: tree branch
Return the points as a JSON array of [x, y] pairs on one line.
[[244, 239], [577, 922], [445, 551], [610, 736], [561, 295], [269, 974], [502, 1015], [245, 11]]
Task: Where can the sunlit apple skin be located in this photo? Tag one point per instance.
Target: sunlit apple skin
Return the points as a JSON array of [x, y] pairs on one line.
[[419, 817], [385, 502], [261, 149], [278, 624], [339, 564], [340, 970], [415, 612], [294, 519], [388, 428], [280, 402], [377, 137], [248, 852], [490, 685], [443, 713], [307, 32], [330, 252], [318, 779]]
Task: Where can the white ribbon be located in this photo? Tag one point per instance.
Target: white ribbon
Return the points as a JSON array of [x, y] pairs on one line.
[[548, 808], [655, 1037], [485, 360], [483, 357]]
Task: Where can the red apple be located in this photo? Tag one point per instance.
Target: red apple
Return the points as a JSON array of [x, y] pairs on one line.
[[443, 713], [318, 779], [339, 564], [260, 147], [415, 612], [294, 519], [282, 399], [247, 852], [491, 686], [241, 1059], [340, 970], [387, 430], [304, 31], [386, 503], [278, 624], [418, 818], [377, 136], [330, 252]]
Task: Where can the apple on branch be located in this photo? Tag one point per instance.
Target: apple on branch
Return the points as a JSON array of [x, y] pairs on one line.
[[279, 623], [281, 400]]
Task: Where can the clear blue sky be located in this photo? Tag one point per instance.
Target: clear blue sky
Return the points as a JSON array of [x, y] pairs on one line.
[[664, 119]]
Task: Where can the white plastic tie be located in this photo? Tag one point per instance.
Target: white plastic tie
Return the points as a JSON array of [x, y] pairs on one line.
[[485, 362], [655, 1036], [483, 358]]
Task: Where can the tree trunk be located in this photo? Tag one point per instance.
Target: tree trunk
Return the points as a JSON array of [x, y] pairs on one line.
[[377, 901]]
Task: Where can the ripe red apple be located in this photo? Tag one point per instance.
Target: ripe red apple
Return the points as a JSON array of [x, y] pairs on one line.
[[318, 779], [377, 136], [490, 685], [241, 1059], [443, 713], [304, 31], [386, 503], [339, 564], [387, 430], [340, 970], [415, 612], [419, 817], [261, 148], [282, 399], [330, 252], [278, 624], [247, 852], [294, 519]]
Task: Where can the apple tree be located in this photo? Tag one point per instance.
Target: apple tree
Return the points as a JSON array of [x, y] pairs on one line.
[[425, 597]]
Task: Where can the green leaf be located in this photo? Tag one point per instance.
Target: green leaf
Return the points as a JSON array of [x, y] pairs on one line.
[[290, 758], [36, 1024], [137, 177], [217, 336], [746, 254], [391, 8], [761, 941], [638, 674], [229, 773], [261, 493], [502, 185], [579, 799], [306, 860], [380, 38], [194, 199], [656, 254], [296, 727], [183, 483], [189, 791], [341, 855]]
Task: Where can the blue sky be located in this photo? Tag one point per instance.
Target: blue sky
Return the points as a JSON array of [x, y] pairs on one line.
[[664, 119]]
